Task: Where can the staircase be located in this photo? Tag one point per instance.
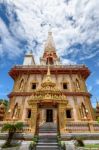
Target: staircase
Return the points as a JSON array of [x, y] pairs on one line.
[[47, 137]]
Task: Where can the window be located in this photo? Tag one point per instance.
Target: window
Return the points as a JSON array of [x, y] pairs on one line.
[[68, 113], [33, 86], [83, 110], [77, 84], [49, 61], [65, 86], [21, 84], [15, 110], [29, 113]]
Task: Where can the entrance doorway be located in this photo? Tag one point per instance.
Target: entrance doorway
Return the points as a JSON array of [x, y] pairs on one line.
[[49, 115]]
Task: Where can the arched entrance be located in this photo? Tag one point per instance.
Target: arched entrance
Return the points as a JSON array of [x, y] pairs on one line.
[[47, 113]]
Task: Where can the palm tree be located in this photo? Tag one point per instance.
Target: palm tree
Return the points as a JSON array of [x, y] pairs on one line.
[[12, 129]]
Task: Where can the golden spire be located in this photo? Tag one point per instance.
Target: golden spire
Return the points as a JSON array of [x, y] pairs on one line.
[[49, 44], [48, 80], [48, 75]]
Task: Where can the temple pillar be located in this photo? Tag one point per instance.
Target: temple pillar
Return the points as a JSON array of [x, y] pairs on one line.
[[34, 117], [62, 117], [55, 116]]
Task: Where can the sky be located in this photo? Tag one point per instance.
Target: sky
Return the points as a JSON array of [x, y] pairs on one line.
[[24, 25]]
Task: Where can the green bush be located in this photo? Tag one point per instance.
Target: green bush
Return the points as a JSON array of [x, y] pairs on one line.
[[12, 129], [59, 143], [80, 143], [58, 137], [63, 145], [32, 145], [35, 138], [98, 119]]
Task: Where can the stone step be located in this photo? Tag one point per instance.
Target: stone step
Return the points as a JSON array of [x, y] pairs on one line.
[[47, 129], [54, 143], [55, 130], [47, 137], [48, 141], [50, 146], [46, 132], [47, 147], [47, 144]]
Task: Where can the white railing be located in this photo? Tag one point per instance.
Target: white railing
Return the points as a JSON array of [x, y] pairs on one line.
[[81, 126]]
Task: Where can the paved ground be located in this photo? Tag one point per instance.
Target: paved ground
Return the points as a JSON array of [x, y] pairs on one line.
[[24, 145], [70, 144], [91, 141]]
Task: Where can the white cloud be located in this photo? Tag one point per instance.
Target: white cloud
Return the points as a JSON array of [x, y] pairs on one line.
[[67, 61], [8, 42], [90, 88], [75, 21]]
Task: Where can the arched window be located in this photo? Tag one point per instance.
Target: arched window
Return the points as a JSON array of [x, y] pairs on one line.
[[77, 84], [65, 85], [21, 84], [83, 111], [68, 113], [33, 86], [28, 113], [49, 61], [15, 110]]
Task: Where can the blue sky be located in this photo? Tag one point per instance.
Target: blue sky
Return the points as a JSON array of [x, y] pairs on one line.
[[24, 26]]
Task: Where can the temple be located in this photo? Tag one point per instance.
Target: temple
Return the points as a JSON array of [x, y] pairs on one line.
[[51, 93]]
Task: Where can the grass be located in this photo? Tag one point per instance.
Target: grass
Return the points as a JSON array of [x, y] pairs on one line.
[[92, 145], [10, 146]]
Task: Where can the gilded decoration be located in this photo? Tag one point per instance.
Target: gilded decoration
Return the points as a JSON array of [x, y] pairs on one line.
[[48, 92]]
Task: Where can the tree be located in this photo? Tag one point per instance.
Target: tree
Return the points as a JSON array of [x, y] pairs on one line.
[[12, 129], [5, 102]]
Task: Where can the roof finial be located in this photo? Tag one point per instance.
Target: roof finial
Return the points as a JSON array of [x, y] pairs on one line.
[[50, 27], [49, 44], [48, 75]]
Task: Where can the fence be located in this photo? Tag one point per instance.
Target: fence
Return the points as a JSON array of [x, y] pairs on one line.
[[81, 127]]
